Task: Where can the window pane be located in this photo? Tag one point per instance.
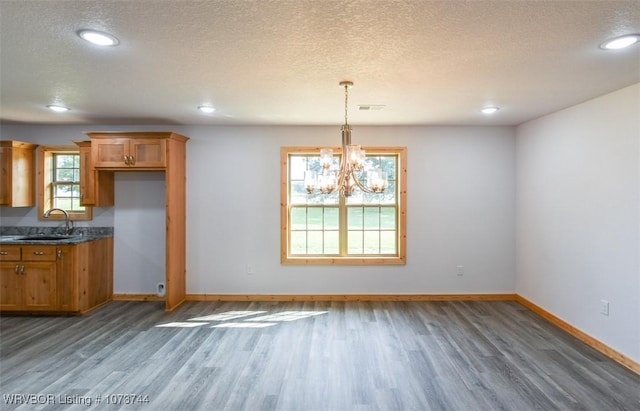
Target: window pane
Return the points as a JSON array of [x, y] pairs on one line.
[[298, 218], [298, 165], [76, 204], [372, 242], [389, 195], [298, 242], [313, 163], [64, 174], [388, 164], [64, 203], [331, 219], [298, 193], [314, 245], [314, 218], [372, 199], [64, 160], [387, 217], [331, 242], [63, 190], [354, 217], [356, 198], [371, 218], [322, 199], [355, 245], [330, 199], [388, 242]]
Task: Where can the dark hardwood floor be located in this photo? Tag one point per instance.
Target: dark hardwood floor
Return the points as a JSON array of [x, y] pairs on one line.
[[306, 356]]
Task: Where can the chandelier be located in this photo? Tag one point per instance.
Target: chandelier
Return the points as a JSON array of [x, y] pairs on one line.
[[352, 166]]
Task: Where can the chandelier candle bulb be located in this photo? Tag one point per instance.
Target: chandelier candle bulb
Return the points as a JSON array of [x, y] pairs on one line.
[[328, 183], [326, 158], [377, 180], [310, 181]]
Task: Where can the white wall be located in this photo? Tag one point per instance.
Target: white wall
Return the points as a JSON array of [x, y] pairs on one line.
[[139, 261], [461, 210], [578, 216]]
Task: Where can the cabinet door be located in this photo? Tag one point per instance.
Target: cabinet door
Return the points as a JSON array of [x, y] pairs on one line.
[[96, 186], [110, 152], [10, 286], [87, 180], [5, 175], [17, 173], [148, 152], [39, 286], [67, 274]]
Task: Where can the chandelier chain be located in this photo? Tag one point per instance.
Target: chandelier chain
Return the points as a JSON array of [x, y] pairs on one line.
[[346, 99]]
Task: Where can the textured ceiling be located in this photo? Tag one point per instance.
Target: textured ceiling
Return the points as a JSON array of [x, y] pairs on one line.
[[279, 62]]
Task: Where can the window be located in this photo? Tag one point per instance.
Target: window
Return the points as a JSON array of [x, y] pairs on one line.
[[330, 229], [59, 183]]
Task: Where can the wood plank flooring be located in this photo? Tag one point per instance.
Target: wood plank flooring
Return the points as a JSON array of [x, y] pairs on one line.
[[346, 356]]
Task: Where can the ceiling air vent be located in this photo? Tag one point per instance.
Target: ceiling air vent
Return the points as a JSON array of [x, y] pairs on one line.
[[371, 107]]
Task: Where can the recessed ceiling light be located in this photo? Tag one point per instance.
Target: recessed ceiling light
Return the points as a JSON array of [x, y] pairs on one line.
[[620, 42], [490, 110], [206, 109], [57, 108], [99, 38]]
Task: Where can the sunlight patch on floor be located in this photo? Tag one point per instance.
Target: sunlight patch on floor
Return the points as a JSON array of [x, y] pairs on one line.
[[256, 321], [243, 325], [229, 315], [178, 324], [288, 316]]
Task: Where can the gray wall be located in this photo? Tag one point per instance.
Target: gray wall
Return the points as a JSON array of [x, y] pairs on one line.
[[578, 216]]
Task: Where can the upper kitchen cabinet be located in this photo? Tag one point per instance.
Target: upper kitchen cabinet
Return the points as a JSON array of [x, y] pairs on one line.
[[156, 150], [96, 186], [139, 150], [17, 174]]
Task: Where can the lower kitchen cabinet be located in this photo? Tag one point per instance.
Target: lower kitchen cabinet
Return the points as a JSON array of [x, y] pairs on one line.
[[72, 278]]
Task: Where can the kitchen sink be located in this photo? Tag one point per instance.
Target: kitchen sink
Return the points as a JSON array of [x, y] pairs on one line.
[[46, 237]]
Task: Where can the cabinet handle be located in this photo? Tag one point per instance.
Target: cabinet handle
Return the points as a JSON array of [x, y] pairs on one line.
[[126, 160], [38, 252], [22, 269], [4, 253], [132, 160], [59, 253], [16, 269]]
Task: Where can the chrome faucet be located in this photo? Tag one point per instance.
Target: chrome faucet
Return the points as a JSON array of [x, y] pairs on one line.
[[68, 224]]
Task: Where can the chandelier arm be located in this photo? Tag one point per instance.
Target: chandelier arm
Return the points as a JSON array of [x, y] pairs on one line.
[[361, 186]]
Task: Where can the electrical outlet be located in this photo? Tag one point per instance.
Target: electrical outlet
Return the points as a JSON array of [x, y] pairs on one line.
[[250, 269], [460, 270], [604, 307], [160, 290]]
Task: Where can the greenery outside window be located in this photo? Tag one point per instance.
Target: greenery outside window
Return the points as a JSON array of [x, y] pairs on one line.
[[59, 183], [330, 229]]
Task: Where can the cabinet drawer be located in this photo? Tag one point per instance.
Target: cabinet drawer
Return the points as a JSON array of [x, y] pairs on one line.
[[39, 253], [10, 253]]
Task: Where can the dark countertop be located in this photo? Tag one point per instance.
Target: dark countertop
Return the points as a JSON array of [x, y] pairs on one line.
[[15, 235]]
